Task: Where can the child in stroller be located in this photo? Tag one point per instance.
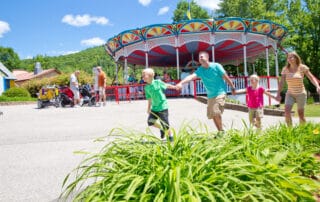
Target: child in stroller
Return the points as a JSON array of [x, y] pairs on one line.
[[87, 95], [65, 96]]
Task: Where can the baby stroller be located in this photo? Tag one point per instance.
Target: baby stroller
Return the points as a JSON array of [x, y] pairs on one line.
[[48, 95], [65, 96], [87, 95]]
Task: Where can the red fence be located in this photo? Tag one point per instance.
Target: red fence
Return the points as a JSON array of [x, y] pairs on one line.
[[133, 92], [194, 88]]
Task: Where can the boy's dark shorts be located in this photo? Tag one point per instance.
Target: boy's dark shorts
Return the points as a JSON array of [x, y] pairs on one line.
[[162, 115]]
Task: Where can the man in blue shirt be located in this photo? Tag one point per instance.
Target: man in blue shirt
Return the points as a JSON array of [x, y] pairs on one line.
[[213, 76]]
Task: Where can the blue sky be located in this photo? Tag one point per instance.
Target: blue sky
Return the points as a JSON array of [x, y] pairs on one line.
[[59, 27]]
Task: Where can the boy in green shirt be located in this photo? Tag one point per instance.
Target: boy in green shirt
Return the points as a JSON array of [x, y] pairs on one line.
[[157, 102]]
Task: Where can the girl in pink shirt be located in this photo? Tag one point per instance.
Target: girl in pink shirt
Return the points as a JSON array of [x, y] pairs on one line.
[[254, 98]]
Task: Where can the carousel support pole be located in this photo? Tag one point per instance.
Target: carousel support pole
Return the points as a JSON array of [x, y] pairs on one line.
[[277, 63], [253, 68], [177, 58], [125, 76], [147, 61], [116, 91], [192, 58], [267, 57], [117, 79], [245, 59], [238, 69], [213, 58]]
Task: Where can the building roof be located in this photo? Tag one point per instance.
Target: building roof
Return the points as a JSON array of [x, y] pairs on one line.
[[7, 74], [23, 75]]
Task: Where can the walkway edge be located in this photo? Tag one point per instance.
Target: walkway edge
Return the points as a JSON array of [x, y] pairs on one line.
[[244, 108]]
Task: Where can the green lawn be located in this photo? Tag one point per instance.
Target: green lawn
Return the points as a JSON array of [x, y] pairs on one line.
[[311, 110], [16, 99]]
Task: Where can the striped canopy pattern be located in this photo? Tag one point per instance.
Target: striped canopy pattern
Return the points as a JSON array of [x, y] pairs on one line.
[[160, 42]]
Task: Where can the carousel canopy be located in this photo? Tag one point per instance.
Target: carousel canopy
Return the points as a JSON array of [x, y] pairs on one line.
[[160, 44]]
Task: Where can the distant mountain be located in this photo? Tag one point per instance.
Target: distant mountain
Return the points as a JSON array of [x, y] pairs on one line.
[[83, 60]]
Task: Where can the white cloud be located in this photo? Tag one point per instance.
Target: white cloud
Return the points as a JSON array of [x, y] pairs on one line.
[[163, 10], [27, 57], [96, 41], [84, 20], [68, 52], [55, 53], [145, 2], [210, 4], [4, 27]]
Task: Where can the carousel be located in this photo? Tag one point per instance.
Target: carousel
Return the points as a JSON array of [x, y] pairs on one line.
[[228, 41]]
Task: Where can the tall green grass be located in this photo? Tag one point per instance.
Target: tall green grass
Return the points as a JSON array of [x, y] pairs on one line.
[[276, 165]]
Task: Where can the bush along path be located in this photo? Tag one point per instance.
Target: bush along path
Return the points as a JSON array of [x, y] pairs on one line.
[[277, 164]]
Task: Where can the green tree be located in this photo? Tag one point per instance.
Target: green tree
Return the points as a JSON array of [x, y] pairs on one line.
[[241, 8], [196, 11], [304, 31], [9, 58], [301, 17], [255, 9], [44, 61]]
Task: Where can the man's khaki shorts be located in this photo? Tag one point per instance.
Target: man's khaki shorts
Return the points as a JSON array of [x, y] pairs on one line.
[[300, 99], [215, 106]]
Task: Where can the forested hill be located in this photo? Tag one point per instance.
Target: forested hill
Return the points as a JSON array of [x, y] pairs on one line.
[[83, 60]]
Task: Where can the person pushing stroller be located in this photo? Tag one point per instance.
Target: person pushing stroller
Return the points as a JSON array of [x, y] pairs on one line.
[[102, 86]]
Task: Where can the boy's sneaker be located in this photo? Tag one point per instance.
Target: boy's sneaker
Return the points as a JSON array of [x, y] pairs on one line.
[[161, 134], [171, 138], [220, 134]]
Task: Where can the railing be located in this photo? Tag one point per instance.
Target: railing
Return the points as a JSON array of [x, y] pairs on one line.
[[193, 88], [269, 83]]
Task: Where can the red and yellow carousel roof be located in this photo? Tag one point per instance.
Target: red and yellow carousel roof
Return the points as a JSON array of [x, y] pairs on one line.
[[160, 41]]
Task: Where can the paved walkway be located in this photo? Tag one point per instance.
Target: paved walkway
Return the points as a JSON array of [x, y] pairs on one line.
[[37, 145]]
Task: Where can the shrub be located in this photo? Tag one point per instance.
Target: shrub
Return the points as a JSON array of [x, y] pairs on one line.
[[16, 92], [33, 86], [310, 100]]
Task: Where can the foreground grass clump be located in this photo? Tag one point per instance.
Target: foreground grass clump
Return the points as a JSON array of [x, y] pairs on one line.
[[278, 165]]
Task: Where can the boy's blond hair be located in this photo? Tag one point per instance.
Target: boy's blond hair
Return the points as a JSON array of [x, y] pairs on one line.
[[255, 77], [149, 71]]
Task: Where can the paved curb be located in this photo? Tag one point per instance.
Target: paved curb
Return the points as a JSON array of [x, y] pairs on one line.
[[17, 103], [244, 108]]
